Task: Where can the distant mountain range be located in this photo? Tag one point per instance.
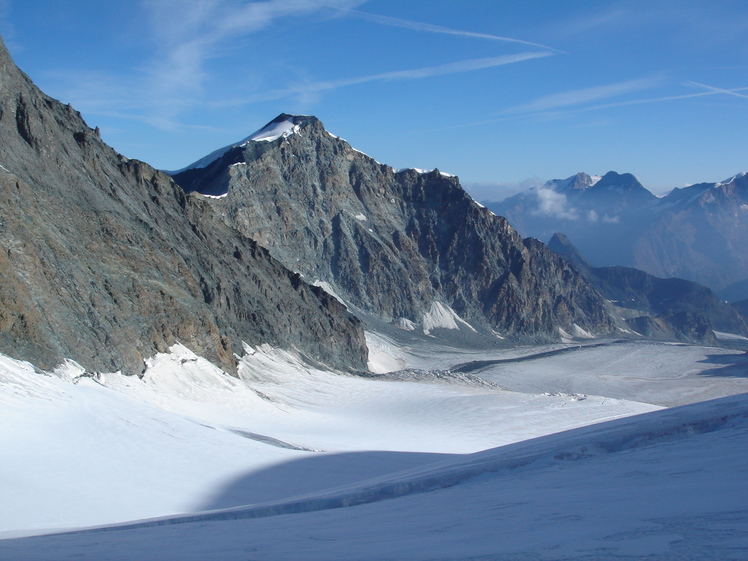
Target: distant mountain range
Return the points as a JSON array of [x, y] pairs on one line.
[[698, 233]]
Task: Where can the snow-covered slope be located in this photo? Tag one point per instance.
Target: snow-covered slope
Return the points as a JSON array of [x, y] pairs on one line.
[[77, 450], [665, 485]]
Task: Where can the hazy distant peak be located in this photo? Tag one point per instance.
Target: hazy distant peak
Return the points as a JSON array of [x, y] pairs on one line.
[[733, 179], [577, 182]]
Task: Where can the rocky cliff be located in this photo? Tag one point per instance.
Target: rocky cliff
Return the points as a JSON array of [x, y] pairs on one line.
[[408, 246], [106, 261]]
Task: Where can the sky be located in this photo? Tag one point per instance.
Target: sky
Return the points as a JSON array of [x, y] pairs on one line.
[[504, 94]]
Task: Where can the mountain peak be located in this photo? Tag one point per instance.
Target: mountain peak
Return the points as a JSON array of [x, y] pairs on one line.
[[562, 245], [738, 177], [282, 126], [578, 182], [397, 246], [625, 180]]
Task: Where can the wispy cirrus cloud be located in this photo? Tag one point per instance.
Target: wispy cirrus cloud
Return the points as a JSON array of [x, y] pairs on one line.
[[567, 103], [712, 89], [188, 33], [663, 99], [430, 28], [572, 98], [315, 87], [185, 36]]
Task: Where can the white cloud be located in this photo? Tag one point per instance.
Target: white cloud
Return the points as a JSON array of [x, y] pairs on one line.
[[187, 34], [515, 113], [555, 205]]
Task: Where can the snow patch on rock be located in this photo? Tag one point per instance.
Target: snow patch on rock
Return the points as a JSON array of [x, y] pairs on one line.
[[444, 317], [405, 324], [581, 333], [274, 131], [327, 287], [384, 355], [729, 336]]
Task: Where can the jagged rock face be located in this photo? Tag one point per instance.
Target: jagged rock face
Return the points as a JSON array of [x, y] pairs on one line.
[[675, 308], [391, 243], [106, 261]]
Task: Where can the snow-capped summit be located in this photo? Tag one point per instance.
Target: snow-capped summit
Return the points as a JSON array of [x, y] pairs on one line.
[[283, 126], [578, 182], [734, 178]]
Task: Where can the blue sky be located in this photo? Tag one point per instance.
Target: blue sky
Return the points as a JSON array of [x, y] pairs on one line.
[[501, 93]]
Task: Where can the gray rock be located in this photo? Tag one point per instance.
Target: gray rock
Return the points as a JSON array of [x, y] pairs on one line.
[[392, 244], [106, 261]]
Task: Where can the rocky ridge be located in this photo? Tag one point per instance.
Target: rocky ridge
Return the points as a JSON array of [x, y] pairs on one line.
[[106, 261], [670, 309], [407, 247]]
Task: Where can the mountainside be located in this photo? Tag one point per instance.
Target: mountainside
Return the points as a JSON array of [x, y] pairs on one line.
[[698, 233], [654, 307], [735, 292], [742, 308], [408, 247], [106, 261]]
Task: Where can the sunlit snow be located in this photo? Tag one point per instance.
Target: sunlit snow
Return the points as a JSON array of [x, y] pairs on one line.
[[274, 131], [442, 316], [435, 446]]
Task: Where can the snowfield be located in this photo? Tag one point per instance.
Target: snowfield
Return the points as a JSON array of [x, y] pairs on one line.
[[555, 452]]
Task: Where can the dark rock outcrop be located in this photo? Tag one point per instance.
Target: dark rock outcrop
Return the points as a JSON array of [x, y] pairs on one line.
[[106, 261], [399, 245]]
